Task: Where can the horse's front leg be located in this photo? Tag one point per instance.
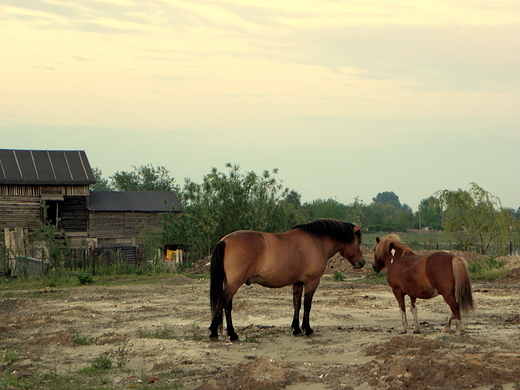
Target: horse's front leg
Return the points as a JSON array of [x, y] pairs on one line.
[[297, 304], [400, 299]]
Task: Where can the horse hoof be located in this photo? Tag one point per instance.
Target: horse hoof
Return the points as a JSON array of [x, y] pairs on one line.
[[213, 338], [233, 338], [309, 333]]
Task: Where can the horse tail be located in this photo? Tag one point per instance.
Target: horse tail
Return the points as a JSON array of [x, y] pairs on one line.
[[217, 277], [463, 294]]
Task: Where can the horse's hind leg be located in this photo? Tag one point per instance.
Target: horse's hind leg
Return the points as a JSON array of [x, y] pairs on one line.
[[414, 313], [230, 328], [225, 304], [453, 314], [297, 303], [216, 323]]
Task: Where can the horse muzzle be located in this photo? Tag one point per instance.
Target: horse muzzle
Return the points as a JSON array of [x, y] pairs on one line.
[[359, 264], [375, 268]]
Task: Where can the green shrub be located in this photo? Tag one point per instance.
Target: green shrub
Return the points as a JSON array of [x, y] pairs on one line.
[[85, 279], [490, 269], [102, 363]]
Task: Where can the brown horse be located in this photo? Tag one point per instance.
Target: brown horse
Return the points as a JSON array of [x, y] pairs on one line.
[[298, 257], [424, 277]]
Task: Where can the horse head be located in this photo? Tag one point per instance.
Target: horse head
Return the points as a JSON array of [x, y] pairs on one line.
[[382, 250], [352, 252]]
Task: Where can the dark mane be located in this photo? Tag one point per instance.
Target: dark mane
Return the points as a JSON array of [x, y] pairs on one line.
[[332, 228]]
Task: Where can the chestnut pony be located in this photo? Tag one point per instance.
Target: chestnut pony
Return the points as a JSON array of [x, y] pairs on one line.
[[298, 257], [425, 277]]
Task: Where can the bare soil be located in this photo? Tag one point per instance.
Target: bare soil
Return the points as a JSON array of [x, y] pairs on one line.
[[356, 344]]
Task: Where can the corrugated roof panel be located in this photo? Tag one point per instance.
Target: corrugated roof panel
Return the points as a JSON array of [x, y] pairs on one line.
[[40, 167], [61, 167], [145, 201], [26, 163], [45, 171], [9, 166]]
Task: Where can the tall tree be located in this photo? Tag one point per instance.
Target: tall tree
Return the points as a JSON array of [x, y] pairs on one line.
[[224, 203], [325, 208], [101, 184], [387, 197], [430, 213], [476, 218], [144, 178]]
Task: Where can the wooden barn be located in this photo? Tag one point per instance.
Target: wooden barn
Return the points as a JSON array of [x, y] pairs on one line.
[[57, 180], [39, 184], [117, 218]]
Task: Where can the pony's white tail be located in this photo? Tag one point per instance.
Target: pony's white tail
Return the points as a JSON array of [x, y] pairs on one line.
[[463, 293]]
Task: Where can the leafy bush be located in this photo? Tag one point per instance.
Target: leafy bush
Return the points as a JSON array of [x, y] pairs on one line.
[[85, 279], [102, 363], [490, 269]]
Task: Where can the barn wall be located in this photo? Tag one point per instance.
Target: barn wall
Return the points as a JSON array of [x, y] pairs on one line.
[[34, 190], [17, 211], [75, 214], [120, 228]]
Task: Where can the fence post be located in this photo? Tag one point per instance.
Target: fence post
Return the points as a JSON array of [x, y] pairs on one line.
[[93, 264]]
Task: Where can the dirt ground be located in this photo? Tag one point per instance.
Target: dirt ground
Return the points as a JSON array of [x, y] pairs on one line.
[[356, 344]]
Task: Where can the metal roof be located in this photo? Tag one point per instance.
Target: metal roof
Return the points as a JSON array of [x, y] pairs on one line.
[[45, 167], [145, 201]]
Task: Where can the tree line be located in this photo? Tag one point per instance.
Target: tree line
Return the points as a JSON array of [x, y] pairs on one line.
[[234, 200]]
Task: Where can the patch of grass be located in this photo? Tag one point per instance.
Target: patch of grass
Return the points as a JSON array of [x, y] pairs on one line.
[[194, 333], [102, 363], [85, 279], [490, 269], [122, 354], [81, 340], [338, 277], [10, 355], [164, 333], [375, 278], [167, 332]]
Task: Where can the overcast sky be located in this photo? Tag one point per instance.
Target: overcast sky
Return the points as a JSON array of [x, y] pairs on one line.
[[346, 98]]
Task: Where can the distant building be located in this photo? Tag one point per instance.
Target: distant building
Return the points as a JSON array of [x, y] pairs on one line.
[[54, 184]]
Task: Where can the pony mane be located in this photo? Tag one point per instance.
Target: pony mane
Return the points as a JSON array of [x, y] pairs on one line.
[[332, 228], [383, 247]]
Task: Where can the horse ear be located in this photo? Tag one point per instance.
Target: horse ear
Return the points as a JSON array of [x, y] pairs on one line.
[[356, 228], [377, 240]]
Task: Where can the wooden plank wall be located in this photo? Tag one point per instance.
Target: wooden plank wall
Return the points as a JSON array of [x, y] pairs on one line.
[[34, 190], [74, 214], [118, 225], [17, 211]]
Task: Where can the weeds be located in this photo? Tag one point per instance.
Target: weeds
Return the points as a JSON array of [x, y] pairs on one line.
[[168, 333], [81, 340], [102, 363], [338, 277], [85, 279], [490, 269], [122, 354], [164, 333]]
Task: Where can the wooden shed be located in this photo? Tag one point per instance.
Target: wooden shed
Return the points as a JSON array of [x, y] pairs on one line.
[[39, 185], [117, 218], [59, 180]]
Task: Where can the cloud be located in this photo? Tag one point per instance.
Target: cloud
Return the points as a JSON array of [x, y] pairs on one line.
[[432, 57]]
